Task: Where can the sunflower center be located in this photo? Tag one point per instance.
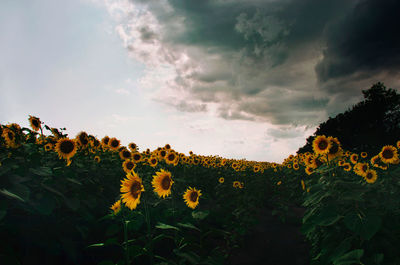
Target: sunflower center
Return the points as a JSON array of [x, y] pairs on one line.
[[153, 161], [129, 165], [135, 189], [10, 135], [66, 147], [166, 183], [114, 143], [369, 175], [364, 168], [193, 196], [136, 157], [322, 145], [163, 153], [83, 139], [126, 154], [171, 157], [35, 123], [387, 154]]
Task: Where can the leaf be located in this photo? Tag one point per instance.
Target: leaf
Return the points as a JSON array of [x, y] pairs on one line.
[[341, 249], [165, 226], [46, 205], [96, 245], [72, 203], [366, 227], [192, 257], [200, 214], [351, 257], [11, 195], [74, 181], [2, 214], [327, 217], [42, 171], [188, 225]]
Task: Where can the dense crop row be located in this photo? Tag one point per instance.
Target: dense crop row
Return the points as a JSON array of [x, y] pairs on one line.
[[85, 200]]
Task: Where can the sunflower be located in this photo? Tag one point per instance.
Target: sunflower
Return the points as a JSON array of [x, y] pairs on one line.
[[171, 158], [321, 145], [48, 147], [279, 183], [364, 154], [221, 180], [116, 207], [128, 165], [241, 185], [97, 159], [370, 176], [346, 166], [162, 183], [131, 189], [82, 139], [9, 137], [354, 158], [191, 197], [398, 144], [35, 123], [152, 161], [66, 148], [167, 146], [236, 184], [162, 153], [361, 169], [303, 185], [125, 154], [388, 154], [132, 147], [105, 141], [113, 143], [137, 157], [335, 149]]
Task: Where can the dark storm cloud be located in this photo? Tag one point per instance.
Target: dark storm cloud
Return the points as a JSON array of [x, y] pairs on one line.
[[366, 40], [286, 62]]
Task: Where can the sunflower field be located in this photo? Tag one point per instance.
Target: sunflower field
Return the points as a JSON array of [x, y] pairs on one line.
[[83, 200]]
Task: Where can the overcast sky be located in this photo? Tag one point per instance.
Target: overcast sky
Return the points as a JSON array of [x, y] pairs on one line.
[[236, 78]]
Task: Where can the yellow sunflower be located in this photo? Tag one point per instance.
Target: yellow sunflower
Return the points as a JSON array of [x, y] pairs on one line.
[[370, 176], [364, 154], [296, 166], [131, 189], [191, 197], [116, 207], [354, 158], [132, 147], [221, 180], [398, 144], [35, 123], [388, 154], [137, 157], [279, 183], [113, 143], [105, 141], [347, 166], [125, 154], [162, 153], [303, 185], [321, 145], [162, 183], [152, 161], [9, 137], [48, 147], [128, 165], [256, 168], [167, 146], [82, 139], [171, 158], [335, 149], [236, 184], [97, 159], [66, 148]]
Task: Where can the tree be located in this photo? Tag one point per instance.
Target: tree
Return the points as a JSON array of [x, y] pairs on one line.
[[368, 125]]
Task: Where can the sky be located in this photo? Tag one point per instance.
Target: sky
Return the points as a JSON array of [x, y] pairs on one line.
[[235, 78]]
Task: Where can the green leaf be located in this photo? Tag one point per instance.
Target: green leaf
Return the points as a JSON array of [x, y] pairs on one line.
[[192, 257], [327, 217], [200, 214], [165, 226], [188, 225], [378, 258], [46, 205], [11, 195], [2, 214], [73, 181], [351, 257], [96, 245], [341, 249], [112, 230], [72, 203], [366, 226], [42, 171]]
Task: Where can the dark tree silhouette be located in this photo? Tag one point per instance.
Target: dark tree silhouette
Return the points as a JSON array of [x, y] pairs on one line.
[[368, 125]]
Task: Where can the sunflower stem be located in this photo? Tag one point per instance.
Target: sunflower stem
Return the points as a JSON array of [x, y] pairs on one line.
[[149, 236], [126, 250]]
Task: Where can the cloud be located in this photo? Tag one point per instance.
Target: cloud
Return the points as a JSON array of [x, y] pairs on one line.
[[281, 62]]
